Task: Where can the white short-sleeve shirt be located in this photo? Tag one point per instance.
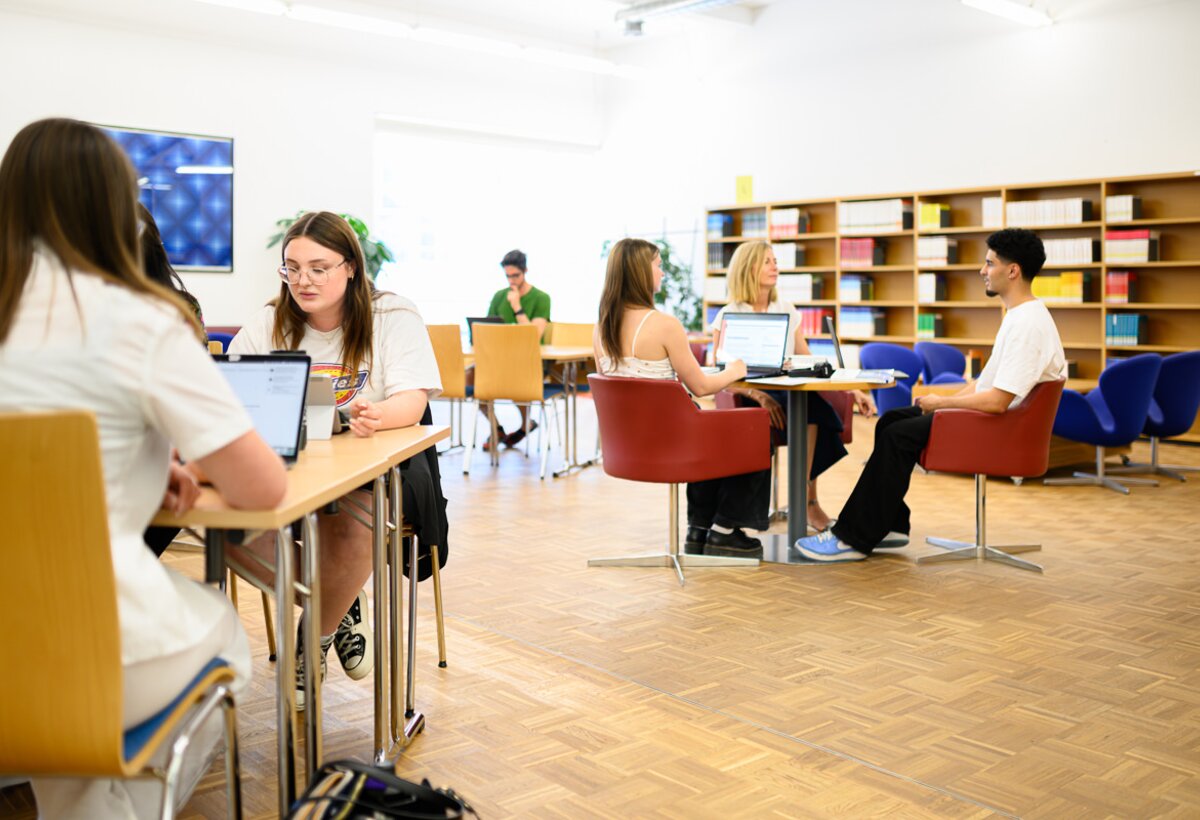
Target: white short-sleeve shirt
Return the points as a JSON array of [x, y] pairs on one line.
[[83, 343], [778, 306], [401, 353], [1027, 351]]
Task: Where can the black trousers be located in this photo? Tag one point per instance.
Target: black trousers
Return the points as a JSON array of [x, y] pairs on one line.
[[876, 506], [734, 501]]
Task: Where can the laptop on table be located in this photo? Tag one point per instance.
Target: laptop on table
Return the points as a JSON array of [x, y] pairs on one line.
[[758, 339], [272, 389], [487, 320], [842, 374]]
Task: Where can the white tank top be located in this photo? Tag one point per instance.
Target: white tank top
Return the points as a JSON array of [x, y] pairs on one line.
[[633, 366]]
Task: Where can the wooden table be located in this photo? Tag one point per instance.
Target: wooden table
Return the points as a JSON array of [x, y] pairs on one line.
[[780, 549], [324, 472]]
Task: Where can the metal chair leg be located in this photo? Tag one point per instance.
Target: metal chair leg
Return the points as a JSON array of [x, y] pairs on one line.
[[980, 549], [1101, 478], [266, 602], [437, 606]]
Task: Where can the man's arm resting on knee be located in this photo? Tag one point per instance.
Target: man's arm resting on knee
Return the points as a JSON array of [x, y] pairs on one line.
[[994, 400]]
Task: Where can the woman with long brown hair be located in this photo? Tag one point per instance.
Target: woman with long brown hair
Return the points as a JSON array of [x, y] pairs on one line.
[[79, 314], [634, 339], [374, 346]]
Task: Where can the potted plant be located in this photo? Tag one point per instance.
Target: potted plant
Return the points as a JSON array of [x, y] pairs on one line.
[[375, 252]]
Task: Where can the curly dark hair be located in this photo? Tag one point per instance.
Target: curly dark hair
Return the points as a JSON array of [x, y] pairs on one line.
[[1021, 247]]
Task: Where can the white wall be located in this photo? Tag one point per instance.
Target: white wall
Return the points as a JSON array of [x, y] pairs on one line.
[[301, 109], [873, 96]]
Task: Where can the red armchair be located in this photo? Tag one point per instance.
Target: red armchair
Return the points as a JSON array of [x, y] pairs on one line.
[[1011, 444], [651, 431]]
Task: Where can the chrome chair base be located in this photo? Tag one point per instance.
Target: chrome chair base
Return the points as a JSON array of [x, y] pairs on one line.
[[981, 551], [1101, 478], [1152, 467]]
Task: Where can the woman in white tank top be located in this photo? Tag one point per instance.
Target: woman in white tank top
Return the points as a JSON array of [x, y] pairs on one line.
[[633, 339]]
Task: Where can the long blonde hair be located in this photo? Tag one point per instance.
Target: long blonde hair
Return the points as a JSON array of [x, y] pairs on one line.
[[744, 268], [628, 283], [67, 184]]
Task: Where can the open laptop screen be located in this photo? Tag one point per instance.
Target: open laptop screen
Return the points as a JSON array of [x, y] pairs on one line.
[[758, 339], [272, 389], [487, 320]]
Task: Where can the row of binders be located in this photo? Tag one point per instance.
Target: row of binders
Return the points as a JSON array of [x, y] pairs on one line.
[[793, 287], [1131, 245], [930, 326], [863, 322], [856, 288], [1068, 287], [1080, 250], [1126, 329], [1120, 287], [875, 216], [1034, 212], [937, 250], [812, 320], [788, 254], [862, 253], [786, 222]]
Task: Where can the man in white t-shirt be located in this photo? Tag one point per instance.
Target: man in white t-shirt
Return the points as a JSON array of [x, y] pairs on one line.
[[1027, 351]]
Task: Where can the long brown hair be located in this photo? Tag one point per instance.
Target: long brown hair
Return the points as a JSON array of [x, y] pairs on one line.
[[67, 184], [332, 232], [628, 283], [744, 270]]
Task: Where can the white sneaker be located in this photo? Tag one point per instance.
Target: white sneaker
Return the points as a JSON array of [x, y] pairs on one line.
[[300, 661], [352, 640]]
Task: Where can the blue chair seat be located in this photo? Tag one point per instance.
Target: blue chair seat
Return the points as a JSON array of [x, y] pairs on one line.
[[135, 739]]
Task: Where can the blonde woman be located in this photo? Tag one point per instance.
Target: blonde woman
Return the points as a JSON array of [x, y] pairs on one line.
[[753, 276], [634, 339]]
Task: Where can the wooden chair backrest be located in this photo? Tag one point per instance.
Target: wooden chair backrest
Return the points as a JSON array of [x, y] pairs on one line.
[[61, 690], [508, 363], [447, 349], [572, 334]]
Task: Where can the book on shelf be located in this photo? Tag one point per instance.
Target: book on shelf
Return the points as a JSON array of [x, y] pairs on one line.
[[1031, 213], [875, 216], [993, 211], [1120, 287], [717, 257], [930, 326], [754, 224], [862, 253], [715, 289], [1126, 329], [853, 287], [937, 250], [931, 287], [1131, 245], [933, 215], [1080, 250], [788, 222], [801, 287], [863, 322], [788, 254], [1068, 287], [1122, 208], [720, 225], [812, 320]]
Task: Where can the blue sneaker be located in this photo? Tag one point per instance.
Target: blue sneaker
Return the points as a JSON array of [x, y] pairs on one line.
[[825, 546]]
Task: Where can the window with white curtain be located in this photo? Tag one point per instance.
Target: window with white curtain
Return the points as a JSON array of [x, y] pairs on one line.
[[451, 204]]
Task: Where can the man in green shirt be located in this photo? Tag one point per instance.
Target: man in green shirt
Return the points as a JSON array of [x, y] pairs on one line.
[[522, 304]]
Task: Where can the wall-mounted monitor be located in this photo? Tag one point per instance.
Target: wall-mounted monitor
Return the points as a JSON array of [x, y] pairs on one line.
[[186, 181]]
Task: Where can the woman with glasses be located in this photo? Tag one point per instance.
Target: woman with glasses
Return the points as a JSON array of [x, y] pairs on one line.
[[374, 346], [78, 312]]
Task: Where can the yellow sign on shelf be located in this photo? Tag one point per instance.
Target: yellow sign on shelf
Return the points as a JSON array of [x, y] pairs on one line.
[[745, 190]]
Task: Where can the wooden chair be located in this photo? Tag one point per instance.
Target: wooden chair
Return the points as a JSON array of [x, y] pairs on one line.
[[508, 367], [447, 349], [66, 719]]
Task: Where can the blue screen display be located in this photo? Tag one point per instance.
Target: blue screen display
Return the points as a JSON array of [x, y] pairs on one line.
[[187, 183]]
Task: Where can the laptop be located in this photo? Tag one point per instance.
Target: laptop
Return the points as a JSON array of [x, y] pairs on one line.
[[321, 415], [758, 339], [842, 374], [487, 320], [272, 389]]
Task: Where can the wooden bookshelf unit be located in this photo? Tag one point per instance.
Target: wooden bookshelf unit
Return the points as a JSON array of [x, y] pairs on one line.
[[1166, 290]]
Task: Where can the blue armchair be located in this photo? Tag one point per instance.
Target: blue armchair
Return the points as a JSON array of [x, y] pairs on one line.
[[1112, 415], [882, 355], [1172, 411], [941, 363]]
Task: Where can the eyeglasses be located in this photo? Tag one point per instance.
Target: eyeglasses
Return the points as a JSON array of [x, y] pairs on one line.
[[318, 276]]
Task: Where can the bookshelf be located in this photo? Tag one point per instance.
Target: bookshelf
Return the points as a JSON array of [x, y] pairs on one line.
[[1071, 216]]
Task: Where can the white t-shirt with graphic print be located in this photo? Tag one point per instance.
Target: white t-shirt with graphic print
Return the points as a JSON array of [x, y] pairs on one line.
[[401, 353]]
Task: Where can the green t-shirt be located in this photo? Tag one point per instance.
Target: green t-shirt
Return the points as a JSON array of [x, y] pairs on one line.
[[536, 305]]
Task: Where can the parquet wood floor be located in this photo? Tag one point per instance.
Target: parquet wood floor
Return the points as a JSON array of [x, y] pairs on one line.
[[877, 688]]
